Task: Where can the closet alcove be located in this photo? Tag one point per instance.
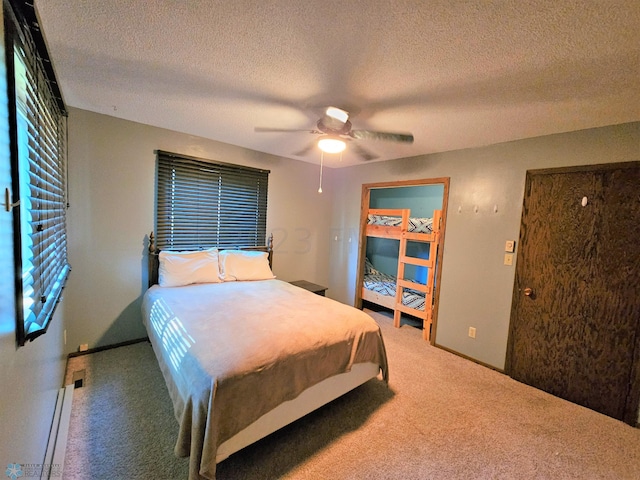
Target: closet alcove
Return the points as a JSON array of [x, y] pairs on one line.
[[402, 227]]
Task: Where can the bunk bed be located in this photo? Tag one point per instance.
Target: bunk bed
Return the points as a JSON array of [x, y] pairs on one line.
[[397, 292]]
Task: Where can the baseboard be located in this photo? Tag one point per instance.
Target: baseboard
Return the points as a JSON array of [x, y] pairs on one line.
[[108, 347], [471, 359], [53, 465]]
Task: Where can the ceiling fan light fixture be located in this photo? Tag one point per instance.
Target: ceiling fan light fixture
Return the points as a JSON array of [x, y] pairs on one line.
[[331, 145]]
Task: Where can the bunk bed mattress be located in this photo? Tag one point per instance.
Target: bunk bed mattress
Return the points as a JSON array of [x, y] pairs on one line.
[[386, 285], [231, 352], [416, 224]]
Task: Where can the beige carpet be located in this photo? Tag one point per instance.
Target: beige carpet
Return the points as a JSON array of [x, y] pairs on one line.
[[443, 417]]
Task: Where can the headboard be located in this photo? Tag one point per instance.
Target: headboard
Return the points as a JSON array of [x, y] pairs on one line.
[[154, 262]]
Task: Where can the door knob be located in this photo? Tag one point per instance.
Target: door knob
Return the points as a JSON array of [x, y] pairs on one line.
[[528, 292]]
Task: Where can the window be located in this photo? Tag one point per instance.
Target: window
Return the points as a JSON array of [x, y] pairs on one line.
[[38, 152], [203, 204]]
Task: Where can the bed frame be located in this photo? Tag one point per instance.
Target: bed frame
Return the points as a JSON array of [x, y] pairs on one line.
[[309, 400]]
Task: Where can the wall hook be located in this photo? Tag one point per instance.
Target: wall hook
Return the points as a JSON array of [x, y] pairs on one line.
[[8, 206]]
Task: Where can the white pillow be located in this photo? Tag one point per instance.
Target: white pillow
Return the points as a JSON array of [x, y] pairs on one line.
[[244, 265], [185, 268]]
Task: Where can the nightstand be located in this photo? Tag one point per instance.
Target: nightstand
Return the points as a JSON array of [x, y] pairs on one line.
[[312, 287]]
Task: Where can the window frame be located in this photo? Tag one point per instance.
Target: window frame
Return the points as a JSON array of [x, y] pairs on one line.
[[47, 165], [232, 180]]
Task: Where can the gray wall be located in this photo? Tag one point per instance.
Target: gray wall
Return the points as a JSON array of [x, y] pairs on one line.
[[112, 195], [30, 376], [476, 287]]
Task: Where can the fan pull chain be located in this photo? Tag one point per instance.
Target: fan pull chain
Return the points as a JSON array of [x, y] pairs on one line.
[[321, 162]]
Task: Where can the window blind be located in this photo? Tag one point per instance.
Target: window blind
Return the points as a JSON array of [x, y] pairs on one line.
[[39, 175], [202, 204]]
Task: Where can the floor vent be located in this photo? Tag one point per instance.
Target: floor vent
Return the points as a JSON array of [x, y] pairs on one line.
[[54, 458]]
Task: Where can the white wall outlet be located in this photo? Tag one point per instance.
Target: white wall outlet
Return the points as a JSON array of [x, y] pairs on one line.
[[84, 347], [472, 332], [508, 258], [510, 246]]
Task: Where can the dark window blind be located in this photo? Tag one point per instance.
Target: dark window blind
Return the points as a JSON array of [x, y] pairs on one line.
[[39, 170], [202, 204]]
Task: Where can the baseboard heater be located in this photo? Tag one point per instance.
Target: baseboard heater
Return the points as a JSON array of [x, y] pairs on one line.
[[56, 447]]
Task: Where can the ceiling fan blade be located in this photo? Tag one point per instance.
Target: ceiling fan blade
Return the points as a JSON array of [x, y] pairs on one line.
[[371, 135], [272, 130], [362, 152], [305, 150]]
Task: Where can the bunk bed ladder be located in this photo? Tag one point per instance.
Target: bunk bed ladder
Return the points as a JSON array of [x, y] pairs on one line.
[[427, 289]]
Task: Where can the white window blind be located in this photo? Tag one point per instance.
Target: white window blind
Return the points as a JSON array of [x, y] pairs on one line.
[[202, 204], [39, 159]]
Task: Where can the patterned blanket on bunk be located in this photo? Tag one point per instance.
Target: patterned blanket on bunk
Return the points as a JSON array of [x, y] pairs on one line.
[[386, 285], [417, 225]]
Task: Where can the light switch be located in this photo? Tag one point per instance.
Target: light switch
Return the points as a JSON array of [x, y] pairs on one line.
[[510, 246], [508, 258]]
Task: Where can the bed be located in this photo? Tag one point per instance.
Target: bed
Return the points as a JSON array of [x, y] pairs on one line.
[[245, 354], [381, 288]]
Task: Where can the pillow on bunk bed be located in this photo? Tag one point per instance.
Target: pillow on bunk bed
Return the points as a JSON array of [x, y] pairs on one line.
[[384, 220], [244, 265], [420, 225], [369, 269], [177, 269]]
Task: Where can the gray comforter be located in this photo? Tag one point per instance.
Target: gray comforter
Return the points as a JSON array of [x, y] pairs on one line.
[[233, 351]]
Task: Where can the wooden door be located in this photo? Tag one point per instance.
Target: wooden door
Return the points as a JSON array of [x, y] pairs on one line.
[[575, 318]]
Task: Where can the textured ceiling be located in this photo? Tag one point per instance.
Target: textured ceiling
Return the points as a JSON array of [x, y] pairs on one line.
[[456, 74]]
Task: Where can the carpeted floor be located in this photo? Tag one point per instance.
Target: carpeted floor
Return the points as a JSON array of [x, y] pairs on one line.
[[443, 417]]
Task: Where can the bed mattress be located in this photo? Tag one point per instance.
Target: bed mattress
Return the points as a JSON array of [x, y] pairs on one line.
[[386, 285], [415, 224]]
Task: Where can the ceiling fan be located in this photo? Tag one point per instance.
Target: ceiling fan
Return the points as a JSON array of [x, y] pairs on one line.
[[335, 129]]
